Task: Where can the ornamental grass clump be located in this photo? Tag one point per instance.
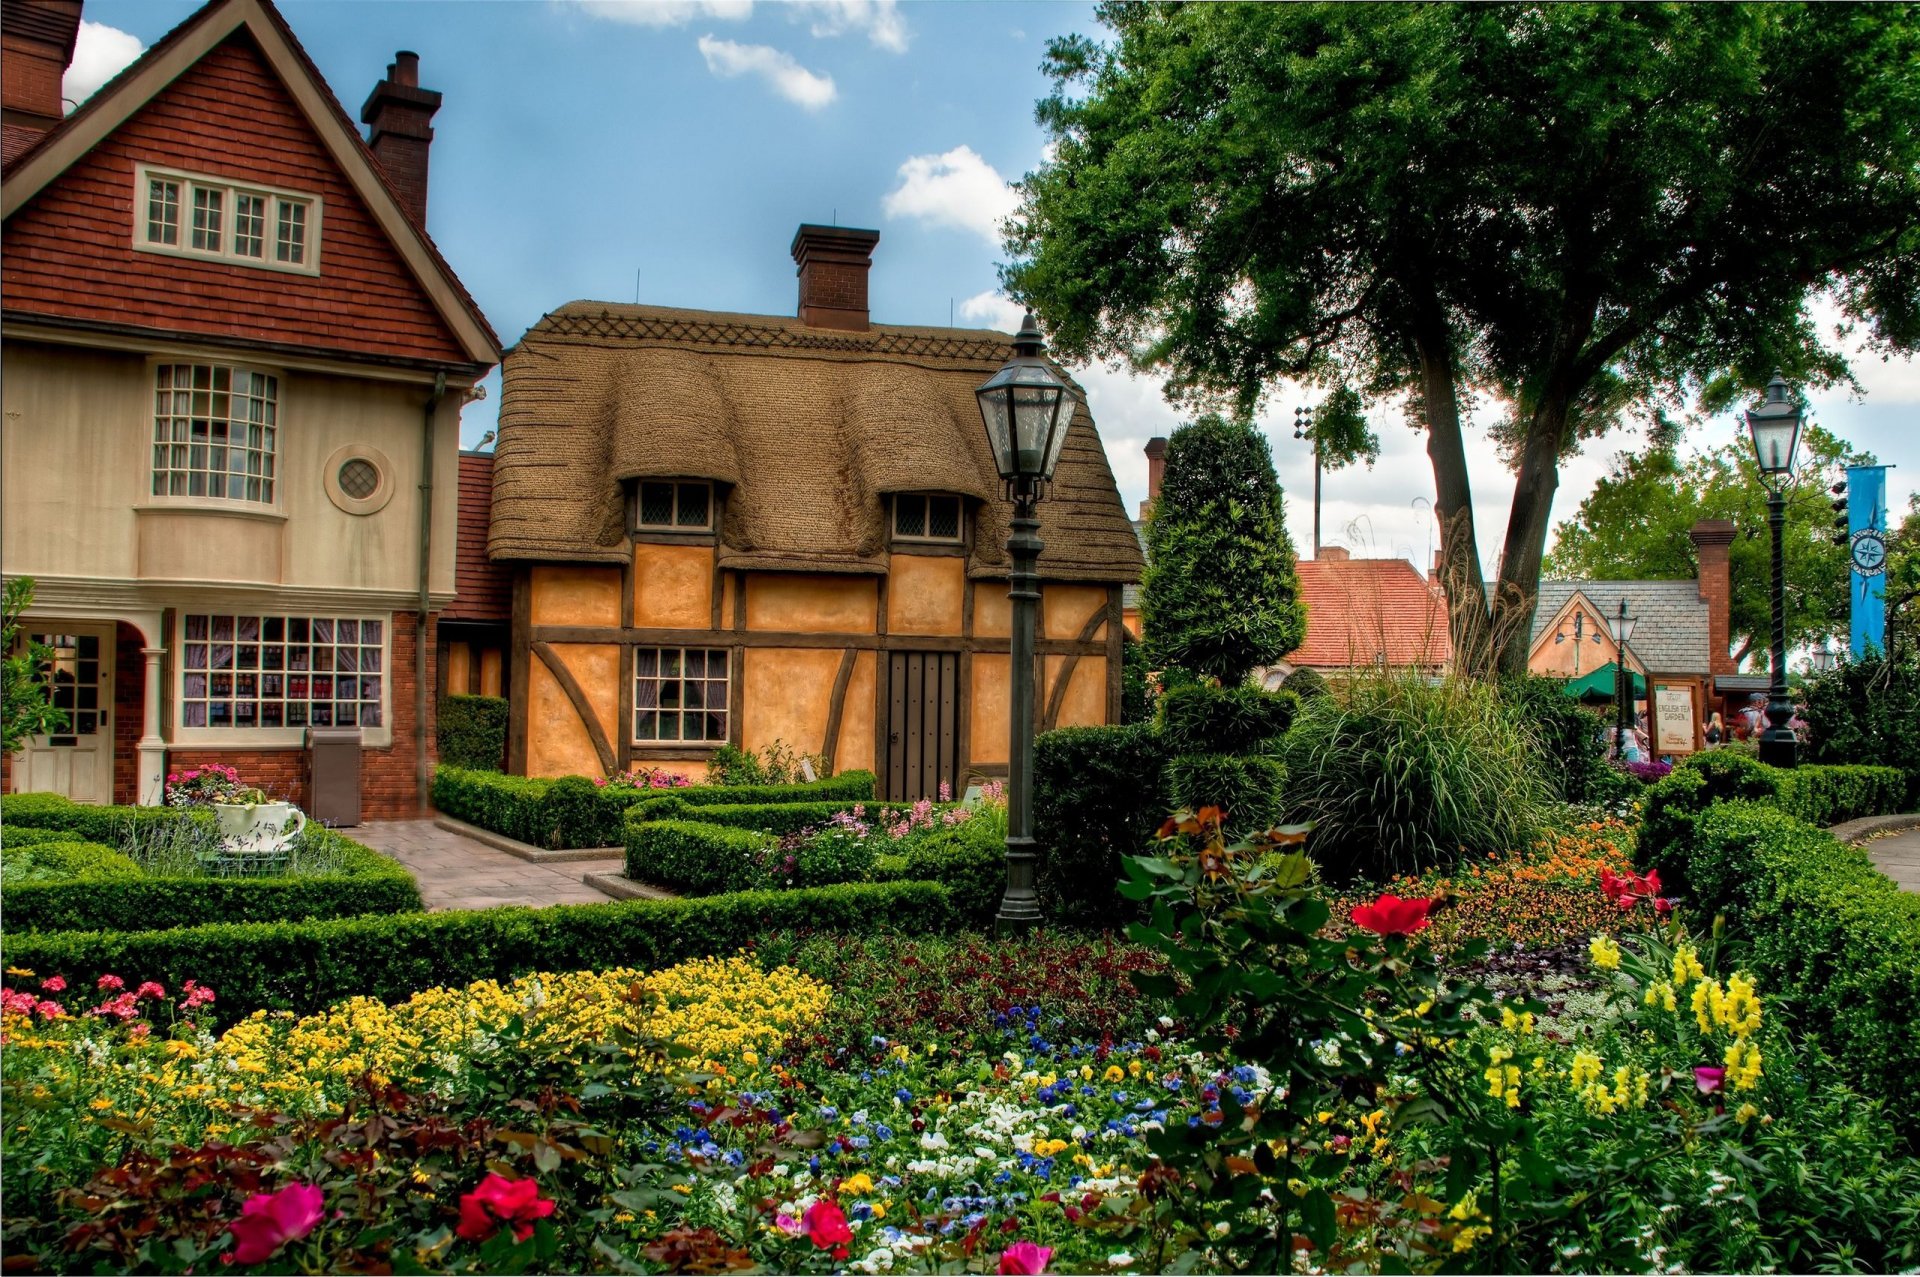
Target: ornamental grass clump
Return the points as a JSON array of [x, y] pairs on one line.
[[1399, 775]]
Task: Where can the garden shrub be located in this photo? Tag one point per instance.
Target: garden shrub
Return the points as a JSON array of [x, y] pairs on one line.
[[1868, 709], [505, 804], [970, 860], [1136, 695], [1199, 718], [1098, 794], [1567, 738], [574, 812], [471, 731], [89, 822], [772, 818], [308, 966], [1827, 928], [1832, 795], [700, 859], [1245, 787], [1399, 774], [14, 837], [55, 856], [1304, 683]]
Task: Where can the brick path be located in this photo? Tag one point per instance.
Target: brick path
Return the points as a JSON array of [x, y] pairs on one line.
[[1898, 856], [455, 872]]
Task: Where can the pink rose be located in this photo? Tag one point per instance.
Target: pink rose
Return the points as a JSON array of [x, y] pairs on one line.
[[1025, 1258], [269, 1221]]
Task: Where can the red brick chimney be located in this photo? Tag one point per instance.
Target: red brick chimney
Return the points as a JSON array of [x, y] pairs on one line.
[[1711, 537], [1334, 554], [832, 263], [400, 114], [36, 45], [1156, 451]]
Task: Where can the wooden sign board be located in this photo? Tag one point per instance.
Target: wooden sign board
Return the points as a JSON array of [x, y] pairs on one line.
[[1676, 718]]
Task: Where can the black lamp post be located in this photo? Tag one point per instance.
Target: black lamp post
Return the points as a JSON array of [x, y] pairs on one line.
[[1303, 429], [1775, 429], [1026, 407], [1621, 627]]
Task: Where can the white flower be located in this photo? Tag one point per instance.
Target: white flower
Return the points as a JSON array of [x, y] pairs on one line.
[[982, 1151], [934, 1140], [1166, 1022], [1120, 1259]]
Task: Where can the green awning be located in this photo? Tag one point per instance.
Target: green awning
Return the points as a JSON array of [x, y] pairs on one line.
[[1598, 685]]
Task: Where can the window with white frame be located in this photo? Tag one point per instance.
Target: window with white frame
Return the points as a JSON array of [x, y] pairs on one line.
[[215, 432], [281, 671], [679, 694], [928, 516], [232, 222], [673, 505]]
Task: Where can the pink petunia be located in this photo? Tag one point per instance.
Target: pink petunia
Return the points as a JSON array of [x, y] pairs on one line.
[[1025, 1258], [1708, 1078], [269, 1221]]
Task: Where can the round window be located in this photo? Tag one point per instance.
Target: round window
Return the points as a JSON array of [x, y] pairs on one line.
[[358, 478]]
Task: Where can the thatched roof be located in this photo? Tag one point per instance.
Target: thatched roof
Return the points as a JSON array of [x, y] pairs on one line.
[[809, 429]]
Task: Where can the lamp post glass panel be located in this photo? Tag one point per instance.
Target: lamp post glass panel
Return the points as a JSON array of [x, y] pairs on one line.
[[1026, 407], [1774, 426], [1620, 627]]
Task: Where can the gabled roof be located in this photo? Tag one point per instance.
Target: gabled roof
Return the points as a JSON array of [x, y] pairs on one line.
[[811, 427], [1670, 636], [1360, 611], [42, 162]]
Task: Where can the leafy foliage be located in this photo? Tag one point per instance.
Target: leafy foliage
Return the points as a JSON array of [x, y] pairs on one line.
[[1098, 795], [1246, 788], [26, 699], [776, 764], [471, 731], [1566, 737], [1136, 699], [1199, 718], [1221, 595], [1867, 709], [1399, 775]]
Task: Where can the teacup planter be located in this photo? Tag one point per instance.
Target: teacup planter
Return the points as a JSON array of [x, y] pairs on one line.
[[257, 835]]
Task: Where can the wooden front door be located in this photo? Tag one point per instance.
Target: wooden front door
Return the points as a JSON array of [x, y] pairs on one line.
[[923, 725], [76, 763]]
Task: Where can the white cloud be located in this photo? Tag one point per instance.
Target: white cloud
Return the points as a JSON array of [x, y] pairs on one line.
[[993, 310], [957, 189], [99, 53], [665, 13], [879, 19], [787, 77]]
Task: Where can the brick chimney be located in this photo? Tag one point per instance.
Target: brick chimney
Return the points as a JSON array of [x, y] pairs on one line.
[[400, 115], [36, 45], [1333, 554], [1711, 537], [832, 264], [1156, 451]]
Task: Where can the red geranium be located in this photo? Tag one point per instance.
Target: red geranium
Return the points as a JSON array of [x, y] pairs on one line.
[[826, 1226], [498, 1201], [1392, 916]]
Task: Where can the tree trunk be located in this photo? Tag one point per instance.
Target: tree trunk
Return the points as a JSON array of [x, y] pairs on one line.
[[1526, 543], [1460, 576]]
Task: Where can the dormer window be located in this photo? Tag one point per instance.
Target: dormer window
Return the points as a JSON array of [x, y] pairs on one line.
[[673, 505], [189, 216], [928, 516]]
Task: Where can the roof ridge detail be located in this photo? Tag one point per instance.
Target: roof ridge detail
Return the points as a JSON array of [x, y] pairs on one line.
[[607, 325]]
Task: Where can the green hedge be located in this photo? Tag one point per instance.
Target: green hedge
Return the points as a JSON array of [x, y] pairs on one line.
[[471, 731], [771, 818], [573, 812], [973, 868], [367, 883], [1246, 787], [308, 966], [91, 823], [1834, 942], [697, 858], [1836, 793], [1198, 718], [1098, 794], [57, 856], [18, 837]]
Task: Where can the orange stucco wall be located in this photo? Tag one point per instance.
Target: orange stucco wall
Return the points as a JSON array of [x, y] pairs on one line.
[[576, 596], [807, 603], [673, 586], [1559, 659], [1066, 609], [1086, 699], [926, 594], [787, 694], [557, 742], [990, 721], [992, 609], [856, 720]]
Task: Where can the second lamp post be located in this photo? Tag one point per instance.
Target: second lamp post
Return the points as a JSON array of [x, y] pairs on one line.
[[1026, 407], [1775, 429]]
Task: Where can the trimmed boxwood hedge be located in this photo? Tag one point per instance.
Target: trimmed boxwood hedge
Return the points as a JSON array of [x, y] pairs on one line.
[[771, 818], [697, 858], [17, 837], [90, 823], [1835, 943], [573, 812], [307, 966], [1099, 793], [54, 854], [471, 731]]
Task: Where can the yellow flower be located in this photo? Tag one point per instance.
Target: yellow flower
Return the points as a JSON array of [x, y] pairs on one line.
[[1743, 1064], [1686, 966], [1660, 994], [1745, 1113], [1134, 1068], [1706, 997], [1739, 1011], [1114, 1073], [1605, 953], [855, 1185], [1465, 1239], [100, 1104], [1586, 1068]]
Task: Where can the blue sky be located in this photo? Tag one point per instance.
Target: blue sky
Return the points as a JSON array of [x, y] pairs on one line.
[[585, 147]]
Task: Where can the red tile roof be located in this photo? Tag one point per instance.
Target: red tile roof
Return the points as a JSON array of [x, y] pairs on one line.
[[1358, 609], [482, 589], [16, 139]]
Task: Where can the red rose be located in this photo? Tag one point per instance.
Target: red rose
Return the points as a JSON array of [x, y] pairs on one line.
[[1392, 916], [826, 1226], [498, 1201]]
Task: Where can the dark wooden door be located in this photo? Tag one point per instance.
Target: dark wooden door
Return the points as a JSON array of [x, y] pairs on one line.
[[923, 724]]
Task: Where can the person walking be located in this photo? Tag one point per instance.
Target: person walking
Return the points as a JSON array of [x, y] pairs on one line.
[[1716, 730]]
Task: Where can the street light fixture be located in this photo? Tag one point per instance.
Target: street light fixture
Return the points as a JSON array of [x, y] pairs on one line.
[[1823, 658], [1026, 408], [1303, 429], [1774, 425], [1620, 627]]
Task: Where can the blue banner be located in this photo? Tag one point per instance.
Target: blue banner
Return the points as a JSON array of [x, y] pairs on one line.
[[1867, 553]]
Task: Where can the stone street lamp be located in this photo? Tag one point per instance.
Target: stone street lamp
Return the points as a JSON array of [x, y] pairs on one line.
[[1621, 628], [1026, 407], [1774, 425]]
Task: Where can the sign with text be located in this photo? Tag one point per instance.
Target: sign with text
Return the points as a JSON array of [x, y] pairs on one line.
[[1675, 718]]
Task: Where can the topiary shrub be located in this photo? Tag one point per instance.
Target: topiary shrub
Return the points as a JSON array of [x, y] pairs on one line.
[[1098, 794], [970, 860], [1400, 774], [471, 731], [1245, 787], [1199, 718], [1305, 683], [701, 859], [1136, 693]]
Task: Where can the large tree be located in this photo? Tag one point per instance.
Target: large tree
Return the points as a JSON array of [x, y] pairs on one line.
[[1634, 526], [1554, 214]]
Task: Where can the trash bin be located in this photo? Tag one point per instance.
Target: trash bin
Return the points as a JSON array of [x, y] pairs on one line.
[[333, 768]]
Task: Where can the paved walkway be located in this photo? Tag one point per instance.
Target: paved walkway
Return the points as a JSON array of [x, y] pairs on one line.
[[456, 872], [1898, 856]]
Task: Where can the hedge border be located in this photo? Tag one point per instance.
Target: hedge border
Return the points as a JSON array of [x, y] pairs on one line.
[[694, 856], [308, 966]]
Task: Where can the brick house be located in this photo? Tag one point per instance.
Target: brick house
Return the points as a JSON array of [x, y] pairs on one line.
[[235, 364], [746, 528], [1369, 612]]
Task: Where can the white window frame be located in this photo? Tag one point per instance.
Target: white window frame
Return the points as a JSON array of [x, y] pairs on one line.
[[229, 504], [678, 485], [927, 498], [283, 736], [230, 191], [724, 709]]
